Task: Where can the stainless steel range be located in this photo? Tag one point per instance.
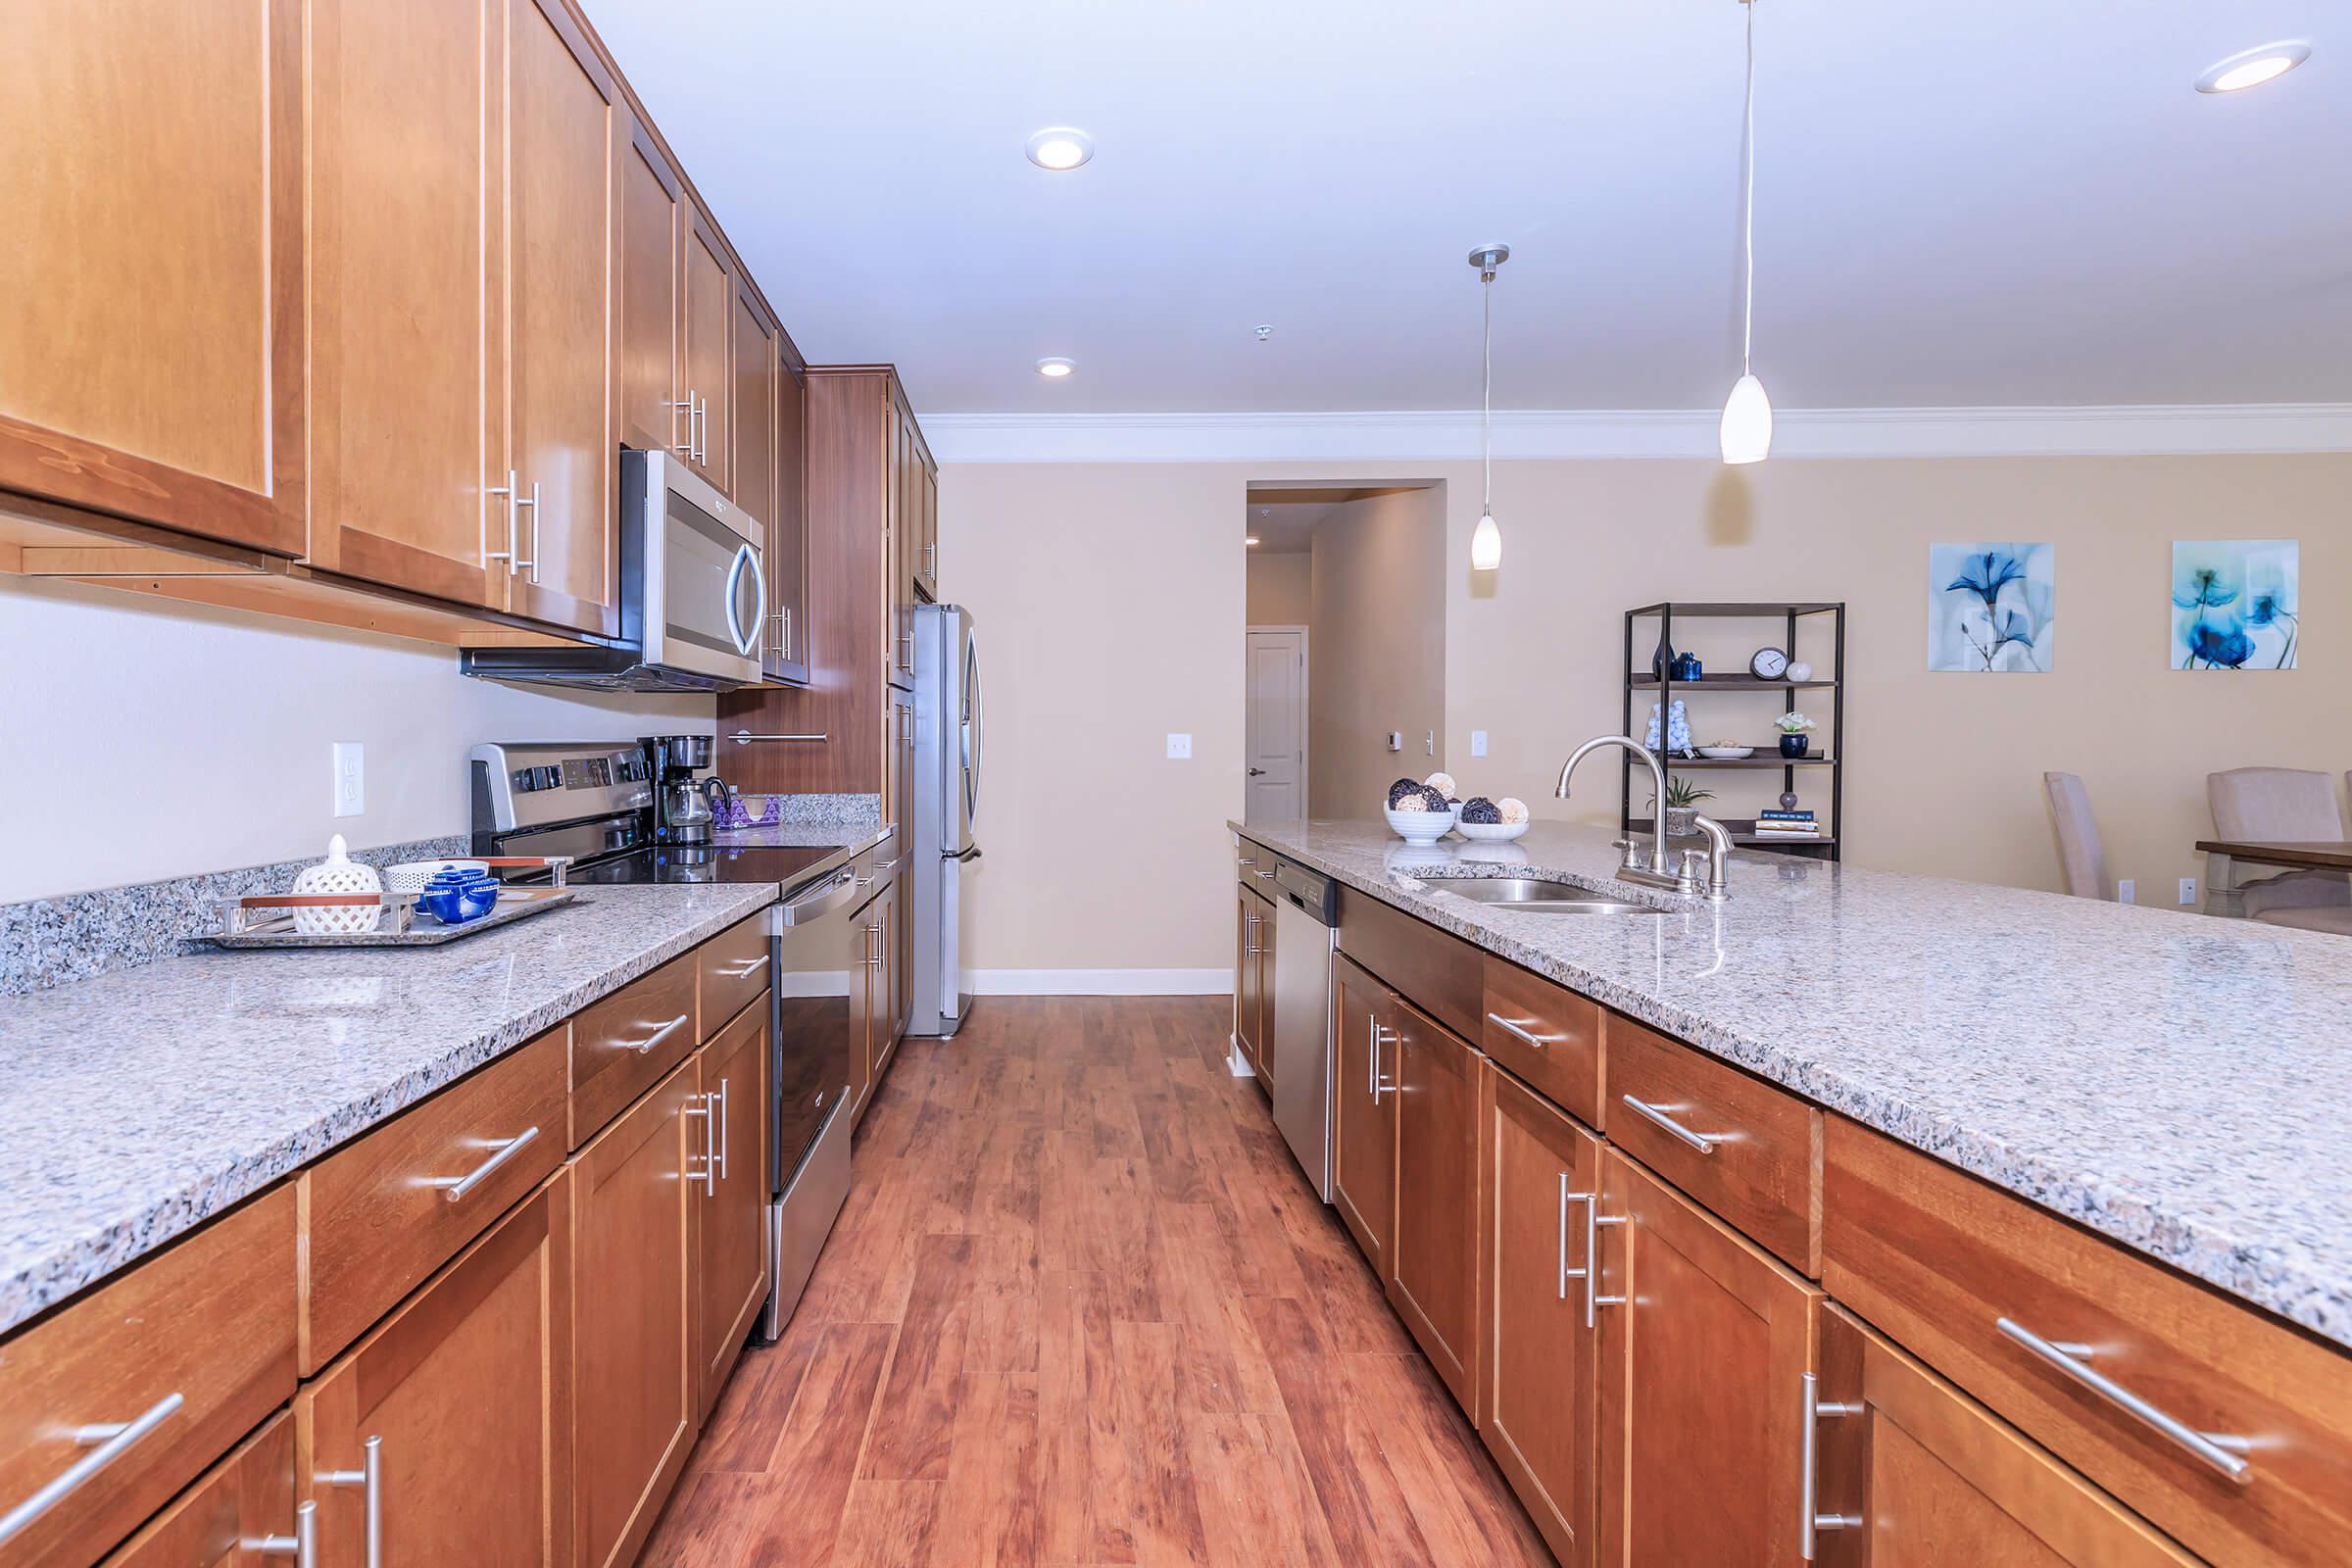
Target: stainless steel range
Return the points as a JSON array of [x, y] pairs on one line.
[[596, 801]]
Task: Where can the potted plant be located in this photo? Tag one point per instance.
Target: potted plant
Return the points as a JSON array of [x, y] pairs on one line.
[[1682, 807], [1792, 727]]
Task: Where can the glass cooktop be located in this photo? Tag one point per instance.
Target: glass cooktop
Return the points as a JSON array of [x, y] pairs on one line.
[[669, 863]]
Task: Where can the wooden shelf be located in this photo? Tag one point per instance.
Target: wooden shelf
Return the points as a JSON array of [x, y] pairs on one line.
[[1727, 683], [1718, 611], [1762, 759], [1743, 830]]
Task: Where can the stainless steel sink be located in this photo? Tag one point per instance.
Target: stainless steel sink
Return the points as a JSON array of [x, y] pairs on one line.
[[1536, 895]]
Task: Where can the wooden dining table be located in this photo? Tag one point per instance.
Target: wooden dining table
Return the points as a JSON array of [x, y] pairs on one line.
[[2222, 855]]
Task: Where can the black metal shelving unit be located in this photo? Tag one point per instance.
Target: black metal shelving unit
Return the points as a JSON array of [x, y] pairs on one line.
[[1662, 688]]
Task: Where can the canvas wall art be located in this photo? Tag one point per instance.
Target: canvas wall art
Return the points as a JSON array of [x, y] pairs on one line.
[[2236, 604], [1992, 609]]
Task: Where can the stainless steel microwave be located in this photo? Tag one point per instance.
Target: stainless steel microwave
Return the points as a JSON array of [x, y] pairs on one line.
[[693, 595]]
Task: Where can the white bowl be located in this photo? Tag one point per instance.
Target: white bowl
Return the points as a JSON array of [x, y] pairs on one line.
[[1419, 827], [1492, 832], [408, 876], [1727, 750]]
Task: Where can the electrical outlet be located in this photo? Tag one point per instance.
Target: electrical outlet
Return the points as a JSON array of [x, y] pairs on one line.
[[1180, 746], [2125, 890], [350, 778], [2188, 890], [1477, 743]]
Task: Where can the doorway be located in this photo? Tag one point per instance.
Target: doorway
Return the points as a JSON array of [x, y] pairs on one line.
[[1276, 725]]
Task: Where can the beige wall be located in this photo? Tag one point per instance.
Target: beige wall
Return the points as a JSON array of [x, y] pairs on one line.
[[1378, 649], [1280, 592], [1946, 770]]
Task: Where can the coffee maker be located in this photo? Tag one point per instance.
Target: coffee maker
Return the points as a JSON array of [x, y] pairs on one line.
[[681, 813]]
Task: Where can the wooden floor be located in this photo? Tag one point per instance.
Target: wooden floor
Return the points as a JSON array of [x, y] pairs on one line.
[[1082, 1309]]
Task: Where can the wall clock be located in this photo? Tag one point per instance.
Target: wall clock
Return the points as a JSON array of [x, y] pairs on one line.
[[1770, 663]]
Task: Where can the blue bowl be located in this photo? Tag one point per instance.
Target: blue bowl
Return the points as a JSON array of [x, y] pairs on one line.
[[454, 898]]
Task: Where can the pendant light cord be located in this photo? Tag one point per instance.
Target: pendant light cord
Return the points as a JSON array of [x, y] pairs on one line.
[[1747, 203], [1485, 394]]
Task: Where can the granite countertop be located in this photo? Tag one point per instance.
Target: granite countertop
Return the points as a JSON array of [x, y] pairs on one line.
[[135, 1105], [2179, 1083]]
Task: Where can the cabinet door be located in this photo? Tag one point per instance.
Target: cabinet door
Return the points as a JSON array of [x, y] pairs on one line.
[[787, 647], [1263, 984], [404, 252], [1914, 1472], [1705, 1343], [732, 1251], [154, 264], [752, 408], [1543, 1180], [864, 1033], [1246, 997], [461, 1403], [708, 296], [653, 229], [638, 1188], [1433, 1263], [903, 521], [1363, 1130], [224, 1520], [926, 572], [888, 1017], [564, 129]]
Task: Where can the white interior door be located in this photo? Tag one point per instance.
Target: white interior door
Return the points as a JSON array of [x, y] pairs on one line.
[[1277, 725]]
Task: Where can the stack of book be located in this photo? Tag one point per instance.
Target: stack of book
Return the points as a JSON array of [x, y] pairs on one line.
[[1787, 826]]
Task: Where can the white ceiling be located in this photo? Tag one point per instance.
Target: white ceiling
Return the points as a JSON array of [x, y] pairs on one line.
[[1991, 202]]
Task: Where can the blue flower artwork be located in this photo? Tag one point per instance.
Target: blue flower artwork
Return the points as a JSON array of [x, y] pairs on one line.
[[1992, 609], [2235, 604]]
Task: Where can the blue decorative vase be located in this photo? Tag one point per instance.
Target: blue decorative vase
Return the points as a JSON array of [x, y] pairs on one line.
[[1688, 667], [1794, 745]]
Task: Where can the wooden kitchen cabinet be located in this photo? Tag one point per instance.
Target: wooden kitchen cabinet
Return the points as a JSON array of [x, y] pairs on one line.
[[244, 1502], [1253, 975], [1432, 1261], [170, 393], [651, 261], [462, 1403], [1541, 1350], [865, 1001], [785, 652], [637, 1195], [1911, 1470], [1363, 1119], [706, 294], [1705, 1341], [888, 979], [731, 1250], [751, 407], [904, 551]]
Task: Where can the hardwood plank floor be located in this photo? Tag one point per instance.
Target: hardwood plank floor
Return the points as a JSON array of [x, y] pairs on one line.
[[1083, 1310]]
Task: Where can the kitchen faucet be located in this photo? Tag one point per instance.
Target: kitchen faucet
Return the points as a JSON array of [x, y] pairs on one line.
[[1656, 874]]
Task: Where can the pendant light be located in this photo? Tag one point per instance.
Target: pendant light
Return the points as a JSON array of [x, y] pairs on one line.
[[1746, 429], [1485, 540]]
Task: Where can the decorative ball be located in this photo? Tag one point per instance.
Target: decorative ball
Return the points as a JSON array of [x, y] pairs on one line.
[[1399, 791], [1514, 809], [1441, 782], [1483, 811], [1800, 670]]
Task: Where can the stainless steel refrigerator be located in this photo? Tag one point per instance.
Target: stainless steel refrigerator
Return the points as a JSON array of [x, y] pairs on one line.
[[948, 745]]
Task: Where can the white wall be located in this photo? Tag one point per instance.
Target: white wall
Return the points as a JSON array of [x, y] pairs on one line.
[[1378, 667], [147, 739]]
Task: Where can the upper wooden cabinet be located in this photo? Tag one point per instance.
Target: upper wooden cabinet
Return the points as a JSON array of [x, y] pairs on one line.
[[652, 259], [708, 295], [751, 403], [785, 652], [152, 354]]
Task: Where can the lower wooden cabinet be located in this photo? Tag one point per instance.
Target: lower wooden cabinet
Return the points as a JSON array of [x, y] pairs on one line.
[[1363, 1112], [455, 1412], [1705, 1343], [637, 1200], [1252, 976], [240, 1513], [1542, 1174], [1432, 1260], [731, 1250], [1911, 1470]]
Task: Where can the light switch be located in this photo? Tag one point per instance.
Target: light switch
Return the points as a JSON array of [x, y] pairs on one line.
[[1180, 746], [1395, 740], [350, 778], [2125, 890], [2188, 890], [1477, 743]]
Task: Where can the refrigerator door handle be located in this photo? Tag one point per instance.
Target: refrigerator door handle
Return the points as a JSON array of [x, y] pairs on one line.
[[976, 741]]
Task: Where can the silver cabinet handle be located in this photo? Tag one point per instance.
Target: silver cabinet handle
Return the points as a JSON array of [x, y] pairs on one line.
[[107, 1443], [873, 947], [1517, 1029], [2220, 1451], [1809, 1519], [1704, 1142], [743, 737], [905, 640], [641, 1046], [454, 1187], [1265, 875], [302, 1546], [1380, 1036], [698, 428], [514, 560], [706, 1105], [782, 617], [507, 555], [1249, 949], [1594, 1219], [1247, 860], [370, 1477], [1567, 1273], [721, 1136], [684, 449], [745, 970]]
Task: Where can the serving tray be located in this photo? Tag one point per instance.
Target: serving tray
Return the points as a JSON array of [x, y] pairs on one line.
[[268, 920]]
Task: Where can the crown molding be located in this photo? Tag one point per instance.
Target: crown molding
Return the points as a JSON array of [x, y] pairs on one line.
[[2109, 430]]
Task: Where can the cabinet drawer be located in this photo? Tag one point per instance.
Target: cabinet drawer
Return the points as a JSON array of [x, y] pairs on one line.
[[623, 1045], [379, 1216], [1436, 971], [730, 969], [1960, 1273], [186, 1352], [1545, 1035], [246, 1500], [1745, 1149]]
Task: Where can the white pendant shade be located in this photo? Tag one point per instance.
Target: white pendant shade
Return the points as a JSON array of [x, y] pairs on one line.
[[1486, 545], [1747, 431]]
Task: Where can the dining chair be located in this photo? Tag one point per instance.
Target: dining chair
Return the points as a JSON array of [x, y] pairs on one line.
[[2281, 805], [2079, 852]]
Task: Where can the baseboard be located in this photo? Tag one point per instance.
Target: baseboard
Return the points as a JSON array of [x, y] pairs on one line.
[[1099, 982]]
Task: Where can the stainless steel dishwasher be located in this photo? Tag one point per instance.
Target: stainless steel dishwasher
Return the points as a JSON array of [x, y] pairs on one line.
[[1305, 910]]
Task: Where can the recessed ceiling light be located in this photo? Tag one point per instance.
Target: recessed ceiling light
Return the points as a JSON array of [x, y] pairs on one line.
[[1057, 368], [1059, 147], [2252, 68], [1249, 539]]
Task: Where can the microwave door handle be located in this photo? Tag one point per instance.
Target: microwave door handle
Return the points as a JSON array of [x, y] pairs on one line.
[[745, 642], [758, 600]]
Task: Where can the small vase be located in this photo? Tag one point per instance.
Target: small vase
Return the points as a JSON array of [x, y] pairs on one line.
[[1686, 667], [1661, 663], [1794, 745], [1681, 821]]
